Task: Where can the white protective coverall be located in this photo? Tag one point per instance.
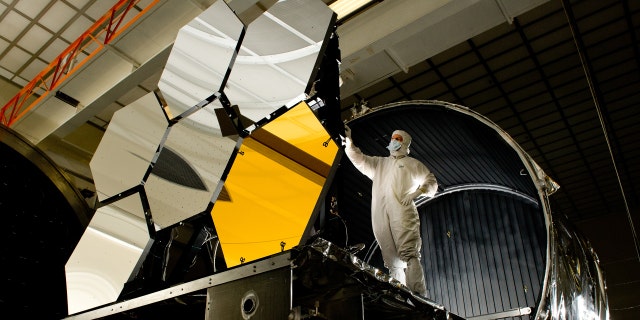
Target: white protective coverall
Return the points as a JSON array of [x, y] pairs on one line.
[[397, 180]]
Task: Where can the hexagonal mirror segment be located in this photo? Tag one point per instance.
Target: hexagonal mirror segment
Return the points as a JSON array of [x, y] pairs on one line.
[[128, 147], [188, 169], [200, 58], [274, 186], [109, 254], [278, 57]]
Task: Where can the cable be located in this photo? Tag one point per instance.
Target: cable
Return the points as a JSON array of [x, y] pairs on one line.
[[346, 232], [209, 236], [372, 249], [215, 253], [334, 211], [626, 308], [585, 68], [165, 256]]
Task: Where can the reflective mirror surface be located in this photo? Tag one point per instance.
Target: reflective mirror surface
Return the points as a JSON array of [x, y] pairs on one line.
[[278, 55], [273, 187], [188, 168], [108, 255], [200, 58], [128, 146], [178, 155]]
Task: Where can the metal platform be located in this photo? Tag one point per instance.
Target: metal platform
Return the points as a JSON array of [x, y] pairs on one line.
[[315, 281]]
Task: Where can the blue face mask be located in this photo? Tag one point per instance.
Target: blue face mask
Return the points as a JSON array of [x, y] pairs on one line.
[[394, 145]]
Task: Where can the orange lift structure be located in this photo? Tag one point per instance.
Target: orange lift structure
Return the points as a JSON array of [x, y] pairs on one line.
[[92, 41]]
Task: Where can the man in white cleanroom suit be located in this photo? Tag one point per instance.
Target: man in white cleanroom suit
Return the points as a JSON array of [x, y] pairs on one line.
[[397, 180]]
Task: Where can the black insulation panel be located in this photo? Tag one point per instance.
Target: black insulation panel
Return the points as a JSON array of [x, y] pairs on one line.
[[483, 252]]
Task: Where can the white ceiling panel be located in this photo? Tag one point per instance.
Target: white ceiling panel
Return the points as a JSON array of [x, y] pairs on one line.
[[87, 49], [80, 25], [20, 81], [79, 4], [99, 8], [58, 12], [6, 73], [3, 45], [32, 8], [33, 69], [15, 58], [35, 39], [54, 50], [12, 25]]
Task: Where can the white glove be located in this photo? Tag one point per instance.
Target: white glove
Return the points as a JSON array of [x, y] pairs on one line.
[[408, 199], [347, 131], [347, 139]]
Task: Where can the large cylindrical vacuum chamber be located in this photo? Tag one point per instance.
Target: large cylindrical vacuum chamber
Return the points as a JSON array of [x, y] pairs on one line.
[[43, 216], [489, 240]]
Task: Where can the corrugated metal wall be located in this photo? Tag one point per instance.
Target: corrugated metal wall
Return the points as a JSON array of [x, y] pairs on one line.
[[483, 251]]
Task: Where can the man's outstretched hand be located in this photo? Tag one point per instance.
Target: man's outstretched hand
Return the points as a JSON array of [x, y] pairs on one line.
[[347, 131]]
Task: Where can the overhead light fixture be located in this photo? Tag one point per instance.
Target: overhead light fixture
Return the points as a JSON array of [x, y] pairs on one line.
[[345, 7], [67, 98]]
